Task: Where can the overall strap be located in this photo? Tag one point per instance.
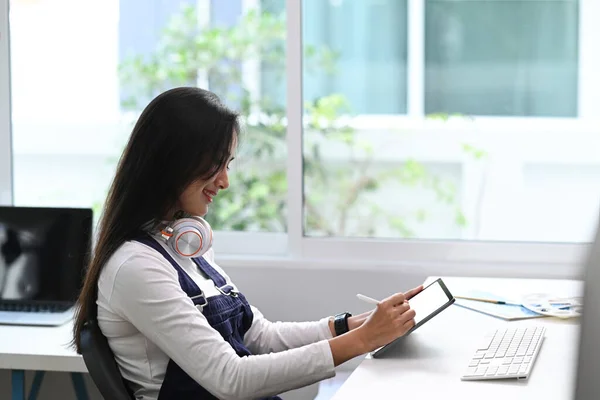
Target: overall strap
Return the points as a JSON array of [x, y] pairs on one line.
[[217, 278], [187, 284], [212, 273]]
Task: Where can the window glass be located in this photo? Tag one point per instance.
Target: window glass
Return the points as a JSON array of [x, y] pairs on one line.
[[78, 88]]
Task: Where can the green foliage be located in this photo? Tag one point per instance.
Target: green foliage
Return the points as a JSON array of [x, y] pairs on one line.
[[334, 194], [445, 116], [474, 151]]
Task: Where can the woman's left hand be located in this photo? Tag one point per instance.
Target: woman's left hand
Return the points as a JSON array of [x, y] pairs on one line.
[[357, 320]]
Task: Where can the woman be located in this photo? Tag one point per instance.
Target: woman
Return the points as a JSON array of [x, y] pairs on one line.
[[176, 323]]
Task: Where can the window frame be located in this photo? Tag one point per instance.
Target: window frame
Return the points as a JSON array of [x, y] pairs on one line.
[[416, 58], [6, 184], [589, 59], [294, 249]]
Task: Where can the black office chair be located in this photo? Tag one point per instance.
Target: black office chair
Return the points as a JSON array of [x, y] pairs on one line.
[[100, 362]]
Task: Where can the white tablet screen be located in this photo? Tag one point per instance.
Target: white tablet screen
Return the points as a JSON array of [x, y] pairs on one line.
[[428, 301]]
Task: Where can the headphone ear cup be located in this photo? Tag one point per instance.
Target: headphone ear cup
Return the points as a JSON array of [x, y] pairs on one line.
[[192, 237]]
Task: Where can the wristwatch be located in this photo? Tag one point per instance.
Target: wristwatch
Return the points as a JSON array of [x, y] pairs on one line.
[[340, 323]]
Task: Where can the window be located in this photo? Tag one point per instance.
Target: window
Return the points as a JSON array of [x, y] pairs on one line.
[[393, 131], [506, 58], [75, 96], [66, 127], [5, 137], [499, 149], [357, 49]]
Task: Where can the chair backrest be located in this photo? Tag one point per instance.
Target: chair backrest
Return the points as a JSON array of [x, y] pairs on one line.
[[100, 362]]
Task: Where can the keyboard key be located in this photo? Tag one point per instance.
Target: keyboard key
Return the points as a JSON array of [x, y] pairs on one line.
[[527, 359], [507, 360], [523, 369], [518, 360], [502, 370], [491, 371], [481, 371], [513, 369], [487, 341], [474, 363]]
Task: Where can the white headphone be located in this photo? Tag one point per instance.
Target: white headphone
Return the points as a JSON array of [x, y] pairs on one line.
[[188, 237]]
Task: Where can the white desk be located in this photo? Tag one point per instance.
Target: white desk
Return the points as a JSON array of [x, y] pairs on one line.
[[39, 349], [430, 362]]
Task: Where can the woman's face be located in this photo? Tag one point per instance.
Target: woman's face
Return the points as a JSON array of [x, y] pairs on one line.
[[196, 198]]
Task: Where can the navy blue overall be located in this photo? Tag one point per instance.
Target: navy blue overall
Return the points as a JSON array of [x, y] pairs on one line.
[[229, 313]]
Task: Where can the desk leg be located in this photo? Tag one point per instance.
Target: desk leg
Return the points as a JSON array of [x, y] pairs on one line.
[[35, 386], [18, 384], [79, 386]]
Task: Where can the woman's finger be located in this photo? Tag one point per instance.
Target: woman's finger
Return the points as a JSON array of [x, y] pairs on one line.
[[413, 292]]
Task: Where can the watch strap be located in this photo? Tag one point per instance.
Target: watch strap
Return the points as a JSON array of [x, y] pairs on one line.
[[340, 323]]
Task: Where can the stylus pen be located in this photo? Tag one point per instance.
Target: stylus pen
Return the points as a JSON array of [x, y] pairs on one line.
[[367, 299], [487, 300]]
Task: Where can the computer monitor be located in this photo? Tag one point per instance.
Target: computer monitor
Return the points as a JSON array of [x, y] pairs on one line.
[[43, 255], [588, 381]]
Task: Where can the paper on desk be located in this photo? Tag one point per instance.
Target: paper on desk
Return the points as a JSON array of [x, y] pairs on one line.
[[505, 311]]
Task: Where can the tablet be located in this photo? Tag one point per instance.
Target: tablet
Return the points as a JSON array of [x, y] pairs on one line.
[[428, 303]]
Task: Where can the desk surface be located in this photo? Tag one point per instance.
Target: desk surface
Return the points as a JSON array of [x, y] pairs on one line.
[[39, 349], [431, 360], [429, 363]]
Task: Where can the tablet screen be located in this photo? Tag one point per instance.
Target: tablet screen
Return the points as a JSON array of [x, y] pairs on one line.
[[429, 302]]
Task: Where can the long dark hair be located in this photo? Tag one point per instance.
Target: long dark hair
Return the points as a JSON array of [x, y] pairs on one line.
[[183, 135]]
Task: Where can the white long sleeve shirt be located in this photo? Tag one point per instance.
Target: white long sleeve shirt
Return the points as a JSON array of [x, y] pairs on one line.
[[148, 319]]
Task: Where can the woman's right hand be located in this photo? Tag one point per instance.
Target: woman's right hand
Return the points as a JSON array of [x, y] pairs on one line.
[[392, 318]]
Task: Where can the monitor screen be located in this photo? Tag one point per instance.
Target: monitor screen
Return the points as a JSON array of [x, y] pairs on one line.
[[43, 253], [587, 382]]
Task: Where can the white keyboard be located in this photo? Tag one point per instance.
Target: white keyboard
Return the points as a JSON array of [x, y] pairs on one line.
[[506, 353]]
